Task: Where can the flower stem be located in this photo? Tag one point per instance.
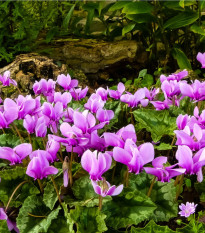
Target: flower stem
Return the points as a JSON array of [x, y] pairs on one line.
[[180, 185], [29, 138], [18, 132], [132, 119], [176, 181], [151, 186], [3, 131], [70, 168], [56, 188], [126, 181], [100, 202], [25, 181], [40, 185], [113, 173]]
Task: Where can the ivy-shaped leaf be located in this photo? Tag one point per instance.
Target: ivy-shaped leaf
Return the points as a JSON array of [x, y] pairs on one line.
[[88, 219], [130, 207], [9, 140], [50, 196], [4, 226], [10, 178], [163, 195], [12, 174], [158, 123], [116, 107], [34, 216], [84, 192], [152, 227]]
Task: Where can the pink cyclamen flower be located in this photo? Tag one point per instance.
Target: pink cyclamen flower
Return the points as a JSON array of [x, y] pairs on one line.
[[11, 224], [39, 167], [6, 80], [45, 87], [78, 93], [104, 115], [201, 58], [17, 154], [117, 94], [105, 189], [134, 157], [66, 82], [187, 210], [95, 164], [163, 174]]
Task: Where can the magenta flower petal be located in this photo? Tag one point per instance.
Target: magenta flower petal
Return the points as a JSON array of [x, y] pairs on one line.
[[121, 155]]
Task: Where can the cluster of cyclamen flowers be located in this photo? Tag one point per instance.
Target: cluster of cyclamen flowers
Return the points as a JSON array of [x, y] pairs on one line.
[[78, 131]]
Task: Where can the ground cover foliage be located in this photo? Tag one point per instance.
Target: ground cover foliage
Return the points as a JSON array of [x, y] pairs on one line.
[[169, 30], [124, 159]]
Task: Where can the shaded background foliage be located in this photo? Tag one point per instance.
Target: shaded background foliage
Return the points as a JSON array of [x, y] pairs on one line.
[[168, 30]]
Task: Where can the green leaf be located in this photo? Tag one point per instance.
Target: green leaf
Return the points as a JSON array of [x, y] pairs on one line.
[[192, 227], [158, 123], [68, 17], [116, 107], [130, 207], [181, 20], [60, 225], [163, 146], [197, 29], [141, 18], [50, 196], [137, 8], [118, 5], [142, 73], [152, 227], [34, 205], [9, 140], [84, 192], [4, 227], [182, 60], [128, 28], [88, 219], [14, 173], [162, 195], [147, 81]]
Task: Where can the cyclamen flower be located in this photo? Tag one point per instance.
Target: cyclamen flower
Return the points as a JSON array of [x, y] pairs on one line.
[[11, 224], [151, 94], [195, 91], [163, 174], [29, 123], [94, 103], [134, 157], [66, 82], [39, 167], [17, 154], [118, 139], [96, 164], [104, 115], [182, 121], [192, 164], [65, 171], [6, 80], [134, 100], [161, 105], [44, 87], [201, 58], [117, 94], [193, 138], [105, 189], [78, 93], [177, 76], [188, 209], [64, 98], [171, 88], [102, 93]]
